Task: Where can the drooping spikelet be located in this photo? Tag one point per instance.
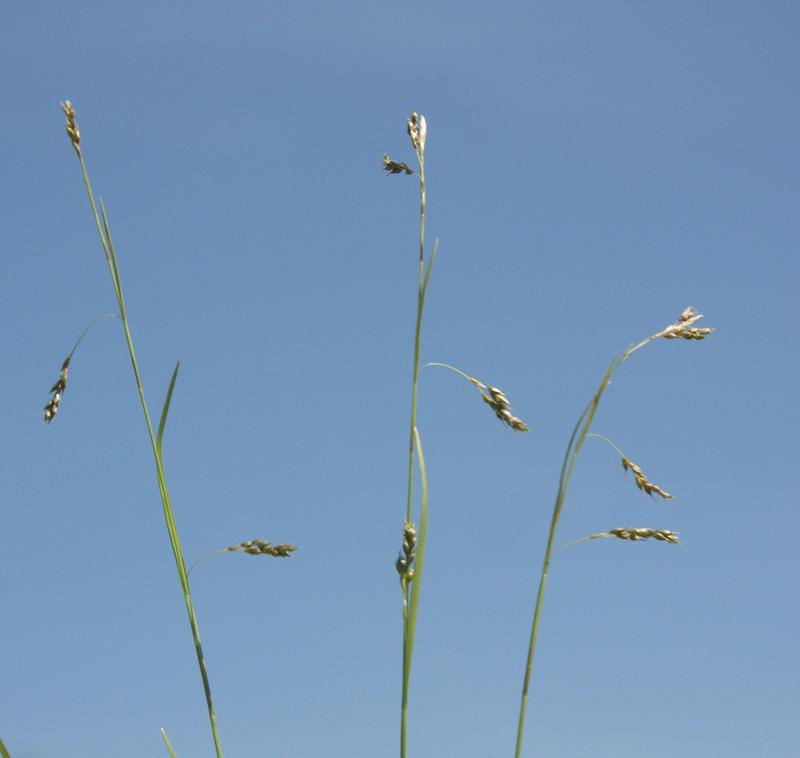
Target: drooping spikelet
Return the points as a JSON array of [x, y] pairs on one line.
[[496, 399], [405, 560], [52, 406], [642, 482], [663, 535], [395, 167], [683, 329], [260, 547], [73, 132]]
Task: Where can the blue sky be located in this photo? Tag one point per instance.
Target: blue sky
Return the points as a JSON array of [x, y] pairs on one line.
[[592, 168]]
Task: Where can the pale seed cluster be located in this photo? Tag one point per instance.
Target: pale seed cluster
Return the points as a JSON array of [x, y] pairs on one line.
[[405, 561], [260, 547], [495, 398], [683, 329], [57, 390], [417, 130], [73, 132], [642, 482], [663, 535]]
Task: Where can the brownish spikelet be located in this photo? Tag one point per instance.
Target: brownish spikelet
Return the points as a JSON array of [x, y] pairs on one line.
[[73, 132], [663, 535], [695, 333], [395, 167], [689, 315], [57, 390], [261, 547], [51, 408], [405, 559], [634, 535], [498, 402], [683, 328], [643, 483]]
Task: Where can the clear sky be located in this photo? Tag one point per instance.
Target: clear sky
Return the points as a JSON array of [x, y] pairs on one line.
[[592, 168]]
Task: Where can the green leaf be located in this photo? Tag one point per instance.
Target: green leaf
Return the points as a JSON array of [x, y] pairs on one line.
[[165, 410], [166, 742]]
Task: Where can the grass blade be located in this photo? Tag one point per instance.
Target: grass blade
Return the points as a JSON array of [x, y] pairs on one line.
[[419, 563], [104, 232], [165, 410], [167, 743]]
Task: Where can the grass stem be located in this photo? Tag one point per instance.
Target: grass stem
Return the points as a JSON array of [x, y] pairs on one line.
[[111, 259], [411, 589], [576, 440]]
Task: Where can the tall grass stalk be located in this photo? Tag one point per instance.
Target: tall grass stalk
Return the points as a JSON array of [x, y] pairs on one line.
[[417, 131], [4, 751], [101, 221], [576, 440]]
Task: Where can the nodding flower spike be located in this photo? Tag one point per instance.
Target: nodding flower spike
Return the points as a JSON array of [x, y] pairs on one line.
[[642, 482], [395, 167], [498, 402], [260, 547], [57, 390], [634, 535]]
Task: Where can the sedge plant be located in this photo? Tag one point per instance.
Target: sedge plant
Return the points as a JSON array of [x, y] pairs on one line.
[[684, 328], [411, 559], [155, 437], [250, 547]]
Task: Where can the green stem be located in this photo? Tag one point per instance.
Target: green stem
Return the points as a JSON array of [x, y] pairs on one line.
[[86, 331], [414, 588], [576, 440], [4, 751], [168, 744], [172, 529], [206, 557], [410, 596], [607, 440], [421, 287]]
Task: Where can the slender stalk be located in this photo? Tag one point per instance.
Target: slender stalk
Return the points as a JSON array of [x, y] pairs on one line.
[[86, 331], [417, 332], [113, 265], [607, 440], [205, 557], [411, 589], [576, 440], [4, 751], [452, 368]]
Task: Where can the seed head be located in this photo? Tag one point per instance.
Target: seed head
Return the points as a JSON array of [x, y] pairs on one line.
[[260, 547], [683, 329], [73, 132], [52, 406], [663, 535], [642, 482], [395, 167], [496, 399], [405, 560]]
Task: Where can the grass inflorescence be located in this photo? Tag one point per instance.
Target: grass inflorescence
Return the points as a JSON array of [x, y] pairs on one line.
[[410, 561]]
